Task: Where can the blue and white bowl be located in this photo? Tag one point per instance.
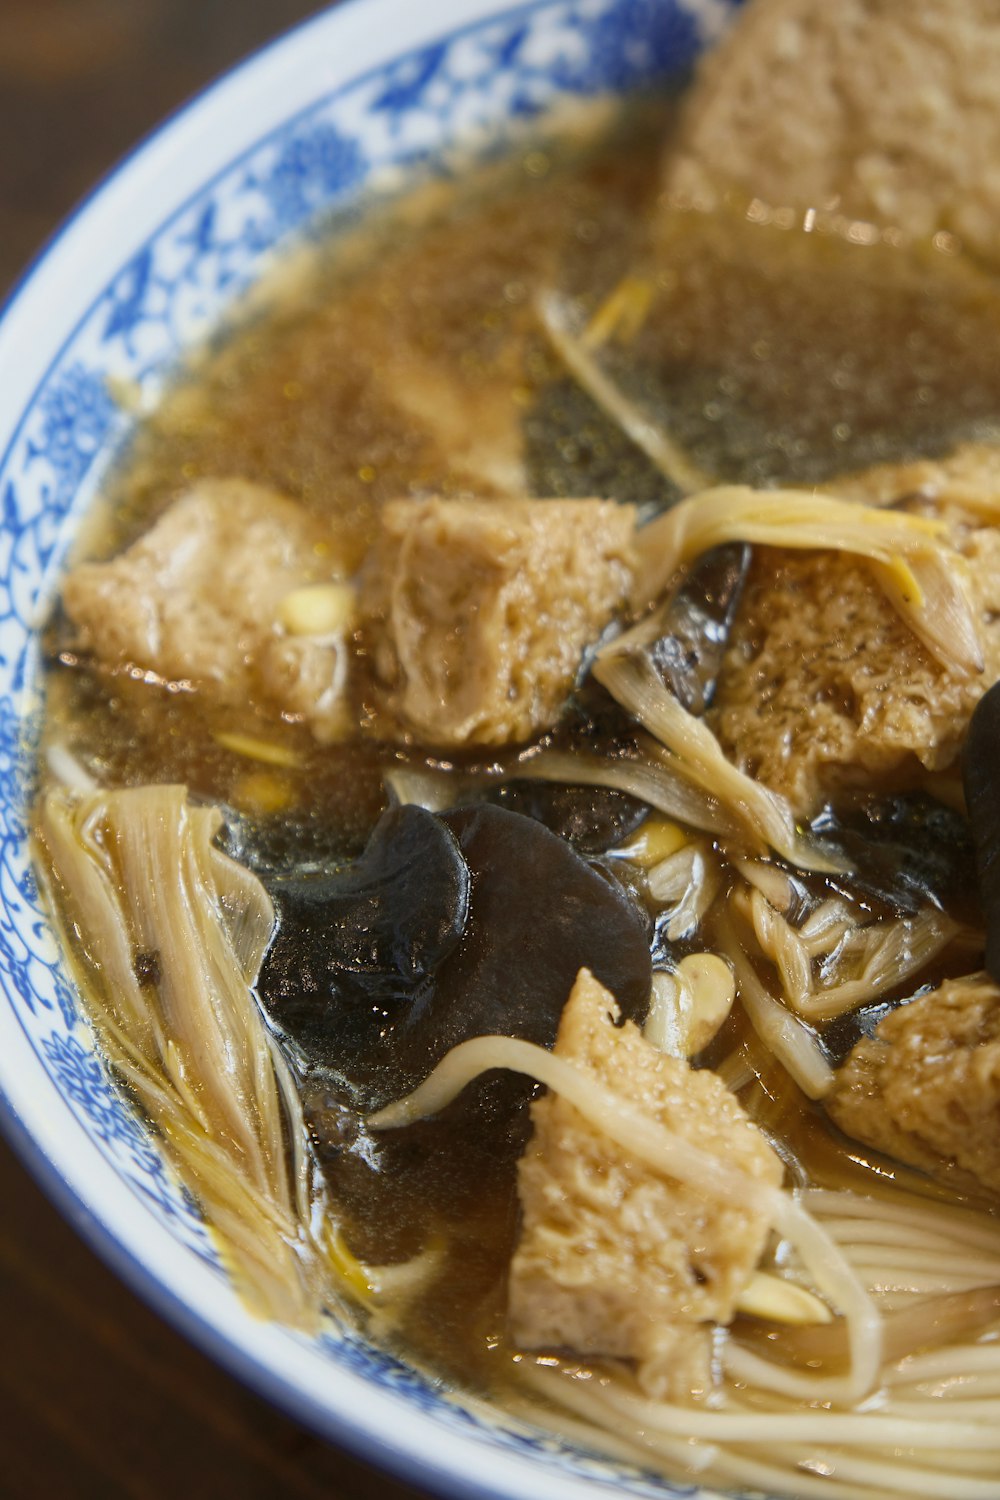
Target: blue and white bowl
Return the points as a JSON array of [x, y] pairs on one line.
[[140, 275]]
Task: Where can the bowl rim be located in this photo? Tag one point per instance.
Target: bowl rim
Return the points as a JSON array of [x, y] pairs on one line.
[[396, 1435], [378, 1451]]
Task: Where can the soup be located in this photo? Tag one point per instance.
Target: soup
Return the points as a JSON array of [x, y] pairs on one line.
[[547, 930]]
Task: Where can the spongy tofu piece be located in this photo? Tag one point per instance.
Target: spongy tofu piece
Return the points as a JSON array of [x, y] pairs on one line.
[[614, 1259], [823, 686], [926, 1088], [197, 598], [888, 112], [477, 613]]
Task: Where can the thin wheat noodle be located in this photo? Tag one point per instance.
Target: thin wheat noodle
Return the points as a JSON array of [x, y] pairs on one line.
[[859, 1429], [898, 1478], [928, 1258], [740, 1468], [974, 1410], [862, 1232], [975, 1229], [583, 1396], [942, 1364], [629, 1128], [605, 1403], [588, 1434], [947, 1388]]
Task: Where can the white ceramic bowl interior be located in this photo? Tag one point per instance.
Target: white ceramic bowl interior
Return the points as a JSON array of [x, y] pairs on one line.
[[142, 273]]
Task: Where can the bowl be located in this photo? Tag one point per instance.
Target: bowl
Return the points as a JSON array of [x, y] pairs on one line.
[[140, 275]]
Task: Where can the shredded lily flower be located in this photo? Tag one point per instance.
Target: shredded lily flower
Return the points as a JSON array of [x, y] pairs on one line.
[[621, 315], [695, 754], [787, 1038], [856, 963], [172, 933]]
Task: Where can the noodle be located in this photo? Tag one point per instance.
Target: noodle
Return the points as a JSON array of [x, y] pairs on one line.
[[958, 1451]]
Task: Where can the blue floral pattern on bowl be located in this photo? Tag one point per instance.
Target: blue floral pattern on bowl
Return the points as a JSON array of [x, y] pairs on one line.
[[475, 85]]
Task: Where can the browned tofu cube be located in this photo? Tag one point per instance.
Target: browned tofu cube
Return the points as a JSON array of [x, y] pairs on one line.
[[478, 612], [614, 1259], [198, 598], [926, 1088]]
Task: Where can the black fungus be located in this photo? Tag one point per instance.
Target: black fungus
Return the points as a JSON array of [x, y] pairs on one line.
[[595, 724], [906, 852], [376, 971], [694, 625], [354, 943], [539, 913], [981, 778], [591, 818], [284, 846], [395, 912]]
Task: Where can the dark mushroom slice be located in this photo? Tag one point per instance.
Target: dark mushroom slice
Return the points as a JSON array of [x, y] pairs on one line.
[[981, 778], [905, 852]]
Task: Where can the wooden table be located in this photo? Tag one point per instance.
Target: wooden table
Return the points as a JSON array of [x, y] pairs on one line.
[[99, 1399]]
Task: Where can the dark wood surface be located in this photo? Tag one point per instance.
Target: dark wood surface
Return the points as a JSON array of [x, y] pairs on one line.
[[99, 1399]]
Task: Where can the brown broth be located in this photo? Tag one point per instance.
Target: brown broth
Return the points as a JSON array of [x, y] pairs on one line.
[[296, 398], [780, 357]]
